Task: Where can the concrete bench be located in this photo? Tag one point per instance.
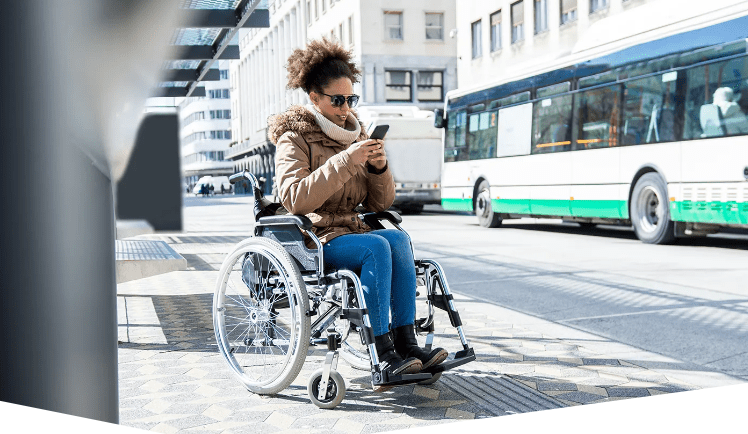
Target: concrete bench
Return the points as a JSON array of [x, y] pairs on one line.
[[137, 259]]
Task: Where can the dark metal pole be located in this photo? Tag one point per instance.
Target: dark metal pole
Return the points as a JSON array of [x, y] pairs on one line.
[[58, 328]]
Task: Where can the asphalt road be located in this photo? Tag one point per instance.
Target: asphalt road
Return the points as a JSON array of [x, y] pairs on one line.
[[687, 301]]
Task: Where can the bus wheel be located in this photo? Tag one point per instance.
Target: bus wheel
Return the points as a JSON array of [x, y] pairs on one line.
[[650, 210], [483, 208]]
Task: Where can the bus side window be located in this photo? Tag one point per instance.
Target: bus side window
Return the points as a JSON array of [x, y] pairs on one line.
[[717, 99], [551, 125], [597, 117], [651, 111]]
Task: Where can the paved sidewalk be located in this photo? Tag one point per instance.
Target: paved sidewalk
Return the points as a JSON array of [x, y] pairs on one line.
[[172, 378]]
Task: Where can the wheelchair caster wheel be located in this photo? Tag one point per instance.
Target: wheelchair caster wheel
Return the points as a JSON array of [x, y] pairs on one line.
[[335, 389], [432, 380]]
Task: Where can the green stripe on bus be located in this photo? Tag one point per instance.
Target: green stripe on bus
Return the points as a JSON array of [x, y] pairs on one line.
[[607, 209], [457, 204], [724, 213]]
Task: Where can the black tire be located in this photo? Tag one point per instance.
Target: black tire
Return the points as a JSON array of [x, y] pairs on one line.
[[650, 210], [482, 207], [587, 225], [335, 389]]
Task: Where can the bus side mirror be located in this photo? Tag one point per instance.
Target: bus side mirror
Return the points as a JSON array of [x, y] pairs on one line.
[[439, 120]]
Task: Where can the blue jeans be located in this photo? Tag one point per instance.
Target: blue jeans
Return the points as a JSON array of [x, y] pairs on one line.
[[388, 276]]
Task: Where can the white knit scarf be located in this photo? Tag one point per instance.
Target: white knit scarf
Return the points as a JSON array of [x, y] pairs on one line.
[[346, 135]]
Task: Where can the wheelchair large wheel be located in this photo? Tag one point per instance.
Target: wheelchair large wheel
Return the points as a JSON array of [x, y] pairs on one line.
[[259, 315]]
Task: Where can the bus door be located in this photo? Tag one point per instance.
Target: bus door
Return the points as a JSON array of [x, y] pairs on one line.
[[549, 171], [595, 162]]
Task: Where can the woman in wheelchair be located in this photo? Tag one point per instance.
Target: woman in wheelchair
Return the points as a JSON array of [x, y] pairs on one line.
[[325, 167]]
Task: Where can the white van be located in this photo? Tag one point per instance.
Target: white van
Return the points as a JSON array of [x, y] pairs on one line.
[[411, 138], [216, 181]]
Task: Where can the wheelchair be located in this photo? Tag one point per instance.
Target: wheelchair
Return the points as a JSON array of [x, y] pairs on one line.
[[271, 286]]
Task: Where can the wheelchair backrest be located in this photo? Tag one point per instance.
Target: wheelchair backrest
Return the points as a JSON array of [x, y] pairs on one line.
[[292, 240]]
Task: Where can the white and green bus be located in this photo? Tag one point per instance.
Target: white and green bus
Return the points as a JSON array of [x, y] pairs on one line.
[[654, 135]]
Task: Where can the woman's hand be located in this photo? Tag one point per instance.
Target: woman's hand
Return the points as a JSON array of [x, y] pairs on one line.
[[361, 152], [378, 158]]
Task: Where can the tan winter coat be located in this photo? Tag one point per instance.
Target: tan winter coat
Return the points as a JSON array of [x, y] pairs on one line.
[[317, 179]]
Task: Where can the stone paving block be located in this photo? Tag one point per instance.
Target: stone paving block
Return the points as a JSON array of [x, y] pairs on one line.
[[577, 373], [426, 392], [165, 428], [627, 392], [592, 389], [310, 423], [157, 406], [348, 426], [579, 397], [600, 362], [370, 429], [602, 382], [452, 413], [217, 412], [280, 420], [546, 386]]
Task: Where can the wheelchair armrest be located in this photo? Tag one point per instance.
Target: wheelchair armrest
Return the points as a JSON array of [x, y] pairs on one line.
[[299, 220], [373, 218]]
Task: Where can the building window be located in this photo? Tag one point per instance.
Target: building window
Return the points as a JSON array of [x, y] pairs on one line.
[[496, 31], [218, 94], [434, 26], [541, 16], [316, 9], [350, 31], [398, 86], [340, 33], [220, 114], [309, 12], [393, 25], [476, 35], [596, 5], [197, 116], [224, 74], [568, 11], [518, 22], [220, 135], [430, 86], [324, 6]]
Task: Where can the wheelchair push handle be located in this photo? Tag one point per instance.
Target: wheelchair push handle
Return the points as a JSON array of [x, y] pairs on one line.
[[255, 185]]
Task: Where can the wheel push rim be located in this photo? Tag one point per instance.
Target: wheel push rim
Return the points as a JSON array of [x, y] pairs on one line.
[[258, 340]]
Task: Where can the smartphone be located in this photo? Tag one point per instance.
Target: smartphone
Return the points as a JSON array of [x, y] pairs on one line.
[[378, 132]]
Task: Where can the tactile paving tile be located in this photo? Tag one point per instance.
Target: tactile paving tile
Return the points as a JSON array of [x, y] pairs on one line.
[[499, 395]]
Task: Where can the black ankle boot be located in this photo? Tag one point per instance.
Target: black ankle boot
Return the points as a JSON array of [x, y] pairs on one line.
[[389, 359], [406, 345]]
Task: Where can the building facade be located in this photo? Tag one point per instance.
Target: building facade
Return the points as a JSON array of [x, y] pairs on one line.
[[403, 48], [206, 130], [502, 38]]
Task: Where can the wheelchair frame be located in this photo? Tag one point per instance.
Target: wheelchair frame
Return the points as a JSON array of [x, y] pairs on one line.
[[339, 291]]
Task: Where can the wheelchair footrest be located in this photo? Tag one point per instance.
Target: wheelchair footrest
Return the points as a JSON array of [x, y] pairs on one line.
[[461, 358], [382, 379]]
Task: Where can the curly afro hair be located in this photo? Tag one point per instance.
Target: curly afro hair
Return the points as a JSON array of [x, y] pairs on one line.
[[321, 62]]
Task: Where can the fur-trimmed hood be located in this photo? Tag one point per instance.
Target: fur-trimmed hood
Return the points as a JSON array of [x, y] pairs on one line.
[[297, 119]]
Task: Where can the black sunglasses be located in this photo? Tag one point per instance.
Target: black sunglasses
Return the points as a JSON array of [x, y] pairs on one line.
[[339, 100]]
